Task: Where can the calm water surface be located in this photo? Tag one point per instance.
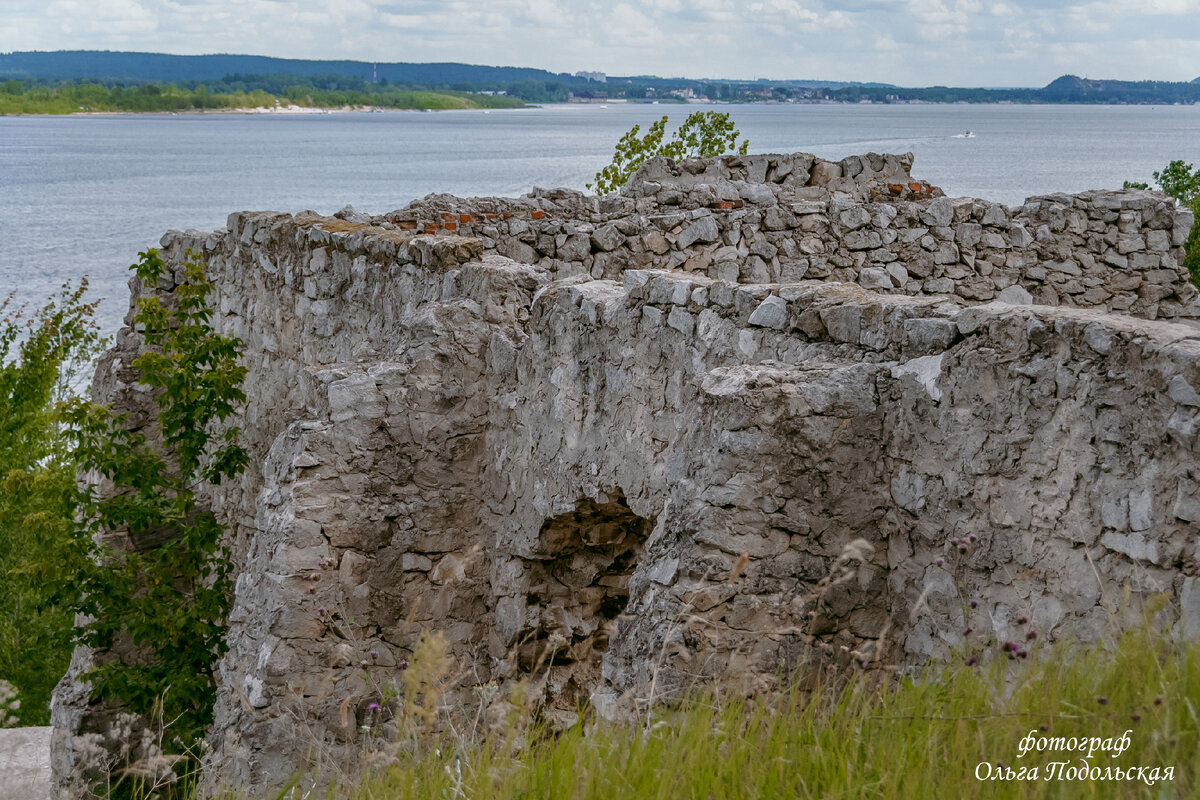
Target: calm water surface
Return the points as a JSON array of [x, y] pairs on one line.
[[84, 194]]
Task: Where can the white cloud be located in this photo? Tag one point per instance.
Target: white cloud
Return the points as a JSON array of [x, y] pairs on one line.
[[633, 28], [1177, 8]]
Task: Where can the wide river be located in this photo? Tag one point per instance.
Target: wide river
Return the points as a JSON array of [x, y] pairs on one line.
[[83, 194]]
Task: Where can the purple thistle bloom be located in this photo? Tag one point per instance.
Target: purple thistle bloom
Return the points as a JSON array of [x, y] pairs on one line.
[[373, 707], [974, 603]]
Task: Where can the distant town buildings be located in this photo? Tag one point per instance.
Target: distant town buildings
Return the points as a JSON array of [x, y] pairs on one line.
[[598, 77]]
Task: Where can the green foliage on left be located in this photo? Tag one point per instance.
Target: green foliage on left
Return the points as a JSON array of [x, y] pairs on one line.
[[163, 603], [41, 353]]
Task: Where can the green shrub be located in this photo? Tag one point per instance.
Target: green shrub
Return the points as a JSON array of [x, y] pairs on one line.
[[165, 604], [41, 354], [704, 134]]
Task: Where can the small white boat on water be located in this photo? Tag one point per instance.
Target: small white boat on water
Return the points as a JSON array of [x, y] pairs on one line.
[[967, 135]]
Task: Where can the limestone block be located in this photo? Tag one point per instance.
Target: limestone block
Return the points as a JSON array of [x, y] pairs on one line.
[[1015, 295], [875, 278], [825, 171], [771, 313], [703, 230], [939, 213], [1184, 219], [355, 396]]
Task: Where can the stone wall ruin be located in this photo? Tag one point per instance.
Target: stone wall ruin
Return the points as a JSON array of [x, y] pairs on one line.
[[751, 415]]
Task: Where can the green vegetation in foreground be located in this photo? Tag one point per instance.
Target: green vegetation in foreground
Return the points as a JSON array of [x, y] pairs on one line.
[[161, 606], [924, 738], [159, 609], [41, 354], [16, 98]]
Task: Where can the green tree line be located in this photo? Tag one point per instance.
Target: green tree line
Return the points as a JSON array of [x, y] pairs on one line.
[[17, 98]]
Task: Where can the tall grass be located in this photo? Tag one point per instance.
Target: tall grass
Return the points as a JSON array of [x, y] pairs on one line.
[[869, 737], [933, 734]]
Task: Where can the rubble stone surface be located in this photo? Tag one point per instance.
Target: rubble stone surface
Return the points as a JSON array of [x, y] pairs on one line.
[[751, 415]]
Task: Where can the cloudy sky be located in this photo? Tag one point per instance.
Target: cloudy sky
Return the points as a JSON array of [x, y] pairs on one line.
[[907, 42]]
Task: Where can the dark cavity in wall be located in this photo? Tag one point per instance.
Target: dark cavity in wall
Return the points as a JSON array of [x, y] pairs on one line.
[[579, 588]]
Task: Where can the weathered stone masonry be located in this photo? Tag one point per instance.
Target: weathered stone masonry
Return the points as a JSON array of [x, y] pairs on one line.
[[771, 219], [723, 424]]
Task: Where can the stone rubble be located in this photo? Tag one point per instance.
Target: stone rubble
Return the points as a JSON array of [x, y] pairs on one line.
[[721, 426]]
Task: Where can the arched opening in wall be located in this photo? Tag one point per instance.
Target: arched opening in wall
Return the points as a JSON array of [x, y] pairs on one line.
[[579, 587]]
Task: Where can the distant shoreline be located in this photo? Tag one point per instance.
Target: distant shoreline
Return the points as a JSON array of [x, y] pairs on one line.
[[292, 111], [300, 111]]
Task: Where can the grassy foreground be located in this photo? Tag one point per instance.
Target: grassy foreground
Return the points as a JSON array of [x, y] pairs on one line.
[[927, 737], [1063, 722]]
